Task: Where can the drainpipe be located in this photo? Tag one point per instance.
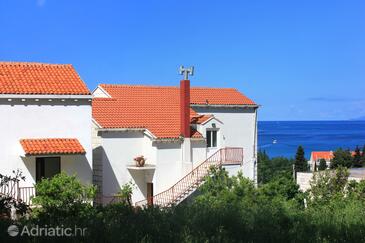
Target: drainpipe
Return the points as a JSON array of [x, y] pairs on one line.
[[254, 155]]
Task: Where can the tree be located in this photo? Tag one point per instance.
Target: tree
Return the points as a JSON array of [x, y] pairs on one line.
[[322, 164], [270, 168], [62, 192], [363, 156], [301, 163], [356, 160], [7, 200], [341, 158], [329, 184], [125, 193]]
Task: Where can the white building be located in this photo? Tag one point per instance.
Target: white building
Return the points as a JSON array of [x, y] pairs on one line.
[[317, 156], [46, 114], [176, 130]]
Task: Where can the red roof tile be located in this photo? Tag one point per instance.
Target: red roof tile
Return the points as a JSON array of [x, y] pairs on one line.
[[200, 119], [327, 155], [40, 78], [155, 108], [44, 146], [218, 96]]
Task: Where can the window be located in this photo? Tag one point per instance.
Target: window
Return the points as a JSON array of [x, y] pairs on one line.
[[211, 138], [47, 167]]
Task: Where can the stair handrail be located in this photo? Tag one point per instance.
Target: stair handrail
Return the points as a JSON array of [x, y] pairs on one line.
[[172, 194]]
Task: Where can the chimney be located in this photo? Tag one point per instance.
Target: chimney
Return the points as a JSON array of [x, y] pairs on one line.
[[185, 108]]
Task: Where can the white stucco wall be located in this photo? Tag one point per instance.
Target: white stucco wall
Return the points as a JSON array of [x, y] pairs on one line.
[[45, 119], [119, 149], [238, 129], [168, 166]]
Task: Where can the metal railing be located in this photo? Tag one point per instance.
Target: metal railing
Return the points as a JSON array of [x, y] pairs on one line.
[[26, 194], [186, 185], [23, 194]]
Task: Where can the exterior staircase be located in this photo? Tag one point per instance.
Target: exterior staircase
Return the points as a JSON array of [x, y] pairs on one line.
[[190, 182]]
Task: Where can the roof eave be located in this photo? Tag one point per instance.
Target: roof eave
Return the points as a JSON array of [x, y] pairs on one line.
[[144, 130], [45, 96], [224, 106], [52, 154]]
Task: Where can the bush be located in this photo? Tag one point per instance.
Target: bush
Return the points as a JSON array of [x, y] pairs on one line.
[[322, 164], [270, 168], [341, 158], [7, 201], [62, 197]]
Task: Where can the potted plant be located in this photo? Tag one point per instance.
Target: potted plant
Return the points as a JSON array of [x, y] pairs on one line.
[[140, 161]]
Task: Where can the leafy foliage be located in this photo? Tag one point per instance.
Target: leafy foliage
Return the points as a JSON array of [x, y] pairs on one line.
[[226, 209], [7, 201], [62, 197], [62, 191], [341, 158], [322, 164], [356, 160], [269, 169], [125, 193]]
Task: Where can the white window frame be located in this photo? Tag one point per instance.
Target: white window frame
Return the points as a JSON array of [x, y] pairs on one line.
[[211, 130]]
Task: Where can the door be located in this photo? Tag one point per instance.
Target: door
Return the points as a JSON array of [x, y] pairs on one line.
[[47, 167], [150, 193]]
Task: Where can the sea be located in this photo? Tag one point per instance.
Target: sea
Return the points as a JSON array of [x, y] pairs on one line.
[[282, 138]]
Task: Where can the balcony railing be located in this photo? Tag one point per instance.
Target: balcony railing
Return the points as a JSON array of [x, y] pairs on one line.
[[12, 189]]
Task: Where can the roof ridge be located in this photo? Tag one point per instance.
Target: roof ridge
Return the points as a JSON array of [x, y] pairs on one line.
[[137, 85], [160, 86], [33, 63]]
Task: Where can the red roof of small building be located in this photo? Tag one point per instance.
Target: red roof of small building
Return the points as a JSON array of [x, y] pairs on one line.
[[327, 155], [199, 119], [317, 155], [155, 108], [40, 78], [46, 146]]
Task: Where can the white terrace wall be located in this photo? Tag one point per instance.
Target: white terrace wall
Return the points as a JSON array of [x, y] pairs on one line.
[[118, 150], [239, 129], [304, 179], [45, 119]]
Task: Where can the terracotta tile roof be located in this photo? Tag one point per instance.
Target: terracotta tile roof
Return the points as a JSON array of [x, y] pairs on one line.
[[45, 146], [218, 96], [40, 78], [196, 134], [200, 119], [327, 155], [153, 107], [317, 155]]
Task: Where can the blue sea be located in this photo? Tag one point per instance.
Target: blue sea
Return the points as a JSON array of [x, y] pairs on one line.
[[281, 138]]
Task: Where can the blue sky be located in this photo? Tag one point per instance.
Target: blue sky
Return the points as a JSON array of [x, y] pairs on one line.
[[301, 60]]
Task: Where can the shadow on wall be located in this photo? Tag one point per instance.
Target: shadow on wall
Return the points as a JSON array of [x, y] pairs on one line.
[[110, 181], [72, 164], [139, 180], [29, 163], [98, 173], [77, 165]]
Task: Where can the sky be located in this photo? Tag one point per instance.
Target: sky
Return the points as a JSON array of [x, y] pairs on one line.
[[300, 60]]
